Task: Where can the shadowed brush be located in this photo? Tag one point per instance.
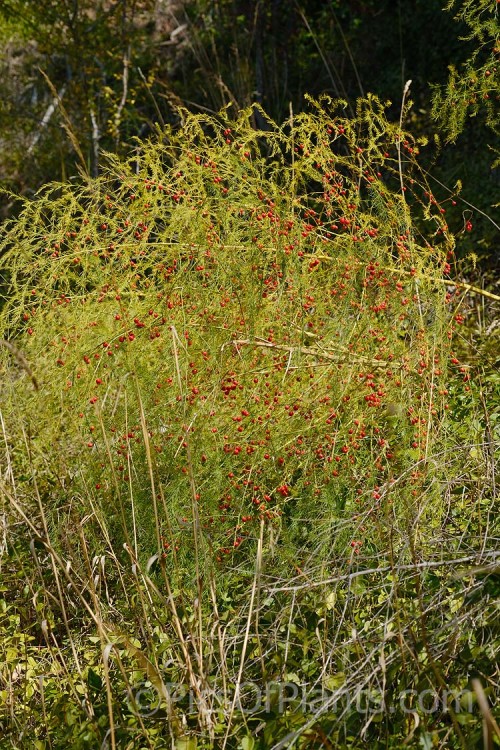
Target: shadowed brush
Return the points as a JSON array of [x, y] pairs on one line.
[[21, 359]]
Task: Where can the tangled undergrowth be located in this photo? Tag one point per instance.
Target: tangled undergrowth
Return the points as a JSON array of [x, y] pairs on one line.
[[234, 447]]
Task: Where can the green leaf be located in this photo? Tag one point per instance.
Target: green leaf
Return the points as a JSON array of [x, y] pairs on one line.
[[186, 743], [334, 681], [94, 680]]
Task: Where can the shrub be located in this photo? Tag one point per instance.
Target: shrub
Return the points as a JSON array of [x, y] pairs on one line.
[[229, 354]]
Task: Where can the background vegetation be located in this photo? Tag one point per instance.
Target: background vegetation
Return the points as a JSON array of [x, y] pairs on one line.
[[250, 394]]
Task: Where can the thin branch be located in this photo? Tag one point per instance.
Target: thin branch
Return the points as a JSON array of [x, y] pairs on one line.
[[123, 100], [21, 360], [398, 142], [310, 351], [66, 122], [95, 143], [459, 198], [489, 719], [427, 565], [47, 117], [438, 280]]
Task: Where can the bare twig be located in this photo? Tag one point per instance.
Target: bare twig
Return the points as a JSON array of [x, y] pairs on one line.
[[437, 280], [491, 726], [95, 142], [123, 100], [310, 351], [426, 565], [398, 142], [66, 123], [21, 360], [47, 117]]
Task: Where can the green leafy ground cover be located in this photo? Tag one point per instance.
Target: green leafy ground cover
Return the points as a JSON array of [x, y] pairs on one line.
[[242, 453]]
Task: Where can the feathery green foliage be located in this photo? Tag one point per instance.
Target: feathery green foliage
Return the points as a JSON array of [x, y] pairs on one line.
[[234, 371], [279, 274], [474, 89]]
